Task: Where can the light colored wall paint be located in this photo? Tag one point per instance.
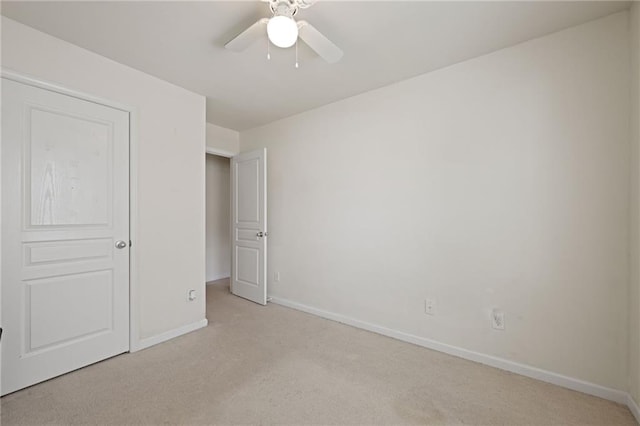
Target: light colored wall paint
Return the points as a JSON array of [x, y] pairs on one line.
[[502, 181], [634, 293], [170, 245], [223, 140], [218, 218]]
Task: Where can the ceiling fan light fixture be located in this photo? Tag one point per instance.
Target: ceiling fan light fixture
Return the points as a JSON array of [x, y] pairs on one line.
[[282, 31]]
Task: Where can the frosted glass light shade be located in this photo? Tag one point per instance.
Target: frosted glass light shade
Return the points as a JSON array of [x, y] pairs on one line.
[[282, 31]]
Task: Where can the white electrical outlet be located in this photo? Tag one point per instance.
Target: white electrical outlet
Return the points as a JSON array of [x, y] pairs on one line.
[[497, 319], [429, 306], [191, 295], [276, 276]]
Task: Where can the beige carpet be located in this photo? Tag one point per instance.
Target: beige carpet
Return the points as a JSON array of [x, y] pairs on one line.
[[271, 364]]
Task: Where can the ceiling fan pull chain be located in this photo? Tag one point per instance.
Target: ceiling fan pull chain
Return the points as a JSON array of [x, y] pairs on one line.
[[296, 53], [268, 49]]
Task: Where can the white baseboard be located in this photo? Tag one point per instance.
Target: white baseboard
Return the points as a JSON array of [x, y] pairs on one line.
[[501, 363], [218, 277], [154, 340], [633, 407]]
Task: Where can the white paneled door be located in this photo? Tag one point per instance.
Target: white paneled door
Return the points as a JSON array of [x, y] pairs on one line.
[[65, 234], [249, 226]]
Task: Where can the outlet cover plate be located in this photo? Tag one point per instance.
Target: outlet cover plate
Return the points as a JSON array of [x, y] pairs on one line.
[[429, 306], [497, 319]]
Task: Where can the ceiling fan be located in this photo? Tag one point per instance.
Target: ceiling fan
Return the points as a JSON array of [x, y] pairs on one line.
[[283, 31]]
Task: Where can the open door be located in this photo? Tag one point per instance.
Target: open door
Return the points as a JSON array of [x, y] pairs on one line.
[[249, 226]]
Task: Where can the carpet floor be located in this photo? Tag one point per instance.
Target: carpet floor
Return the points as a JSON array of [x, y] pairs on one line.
[[266, 365]]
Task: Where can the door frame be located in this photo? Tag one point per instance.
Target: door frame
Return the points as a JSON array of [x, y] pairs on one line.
[[219, 152], [134, 335]]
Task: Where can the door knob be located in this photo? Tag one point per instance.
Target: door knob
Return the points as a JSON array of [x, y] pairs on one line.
[[260, 234], [120, 244]]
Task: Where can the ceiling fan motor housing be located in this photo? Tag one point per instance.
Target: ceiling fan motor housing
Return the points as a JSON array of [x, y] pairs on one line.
[[286, 8]]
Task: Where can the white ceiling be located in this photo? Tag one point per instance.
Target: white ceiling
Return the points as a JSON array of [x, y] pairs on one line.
[[383, 41]]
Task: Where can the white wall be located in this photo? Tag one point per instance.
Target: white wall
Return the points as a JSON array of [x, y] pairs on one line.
[[218, 218], [170, 246], [502, 181], [634, 299], [222, 141]]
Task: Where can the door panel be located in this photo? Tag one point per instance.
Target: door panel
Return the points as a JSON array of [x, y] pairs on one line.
[[68, 167], [248, 181], [61, 252], [248, 260], [51, 321], [249, 223], [65, 202]]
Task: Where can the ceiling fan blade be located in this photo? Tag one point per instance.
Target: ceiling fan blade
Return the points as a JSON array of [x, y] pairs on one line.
[[248, 36], [319, 43]]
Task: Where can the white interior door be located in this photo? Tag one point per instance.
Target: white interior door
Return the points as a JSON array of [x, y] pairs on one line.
[[249, 226], [65, 234]]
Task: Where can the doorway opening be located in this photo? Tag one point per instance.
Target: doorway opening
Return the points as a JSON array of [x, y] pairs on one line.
[[236, 208], [218, 218]]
